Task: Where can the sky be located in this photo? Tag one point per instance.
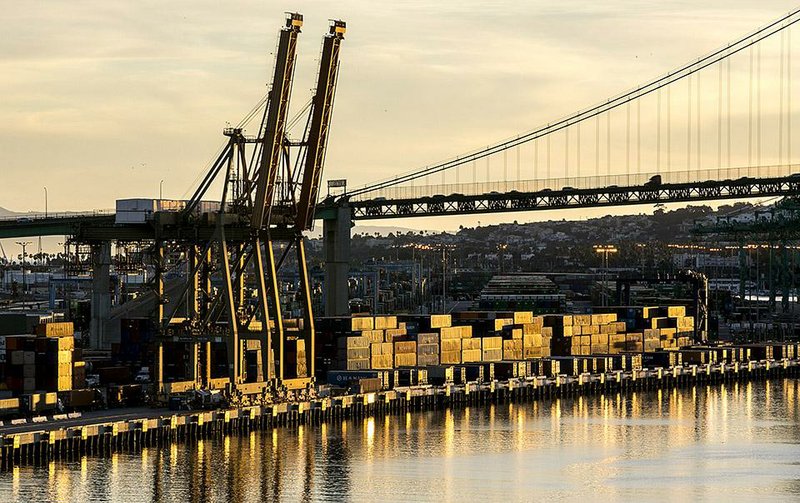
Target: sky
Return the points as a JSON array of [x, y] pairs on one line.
[[104, 100]]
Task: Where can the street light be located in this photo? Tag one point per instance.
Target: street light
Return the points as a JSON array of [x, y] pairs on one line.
[[501, 255], [45, 202], [24, 245], [605, 250], [161, 189]]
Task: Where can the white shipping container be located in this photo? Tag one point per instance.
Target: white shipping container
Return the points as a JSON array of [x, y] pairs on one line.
[[134, 211]]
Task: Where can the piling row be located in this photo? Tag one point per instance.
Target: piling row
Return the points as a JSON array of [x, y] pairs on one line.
[[105, 438]]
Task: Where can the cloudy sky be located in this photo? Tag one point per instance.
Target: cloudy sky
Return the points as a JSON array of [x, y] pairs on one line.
[[103, 100]]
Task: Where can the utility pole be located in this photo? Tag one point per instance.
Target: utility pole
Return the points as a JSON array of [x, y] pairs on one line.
[[24, 245]]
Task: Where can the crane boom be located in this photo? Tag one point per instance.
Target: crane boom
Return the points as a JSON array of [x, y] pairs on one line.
[[274, 128], [318, 129]]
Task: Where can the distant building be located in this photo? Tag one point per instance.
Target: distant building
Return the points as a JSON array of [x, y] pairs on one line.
[[522, 292]]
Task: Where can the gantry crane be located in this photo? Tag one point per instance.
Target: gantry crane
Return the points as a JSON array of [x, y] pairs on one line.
[[270, 184]]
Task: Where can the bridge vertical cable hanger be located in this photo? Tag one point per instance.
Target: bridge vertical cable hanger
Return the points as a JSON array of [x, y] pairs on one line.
[[547, 168], [750, 114], [628, 138], [578, 152], [658, 130], [669, 127], [728, 101], [789, 99], [780, 105], [638, 136], [758, 105], [719, 115], [597, 144], [699, 118], [606, 107], [608, 142], [689, 123]]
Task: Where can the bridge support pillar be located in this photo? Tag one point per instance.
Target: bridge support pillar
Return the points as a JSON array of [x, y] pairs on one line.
[[100, 337], [336, 247]]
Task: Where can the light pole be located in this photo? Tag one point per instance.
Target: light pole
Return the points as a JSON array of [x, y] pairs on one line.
[[604, 250], [161, 189], [45, 202], [24, 245], [501, 255]]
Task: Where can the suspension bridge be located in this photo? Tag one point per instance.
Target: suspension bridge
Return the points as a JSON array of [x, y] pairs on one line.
[[719, 127]]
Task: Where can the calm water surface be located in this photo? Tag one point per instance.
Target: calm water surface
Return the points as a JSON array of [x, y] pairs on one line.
[[728, 443]]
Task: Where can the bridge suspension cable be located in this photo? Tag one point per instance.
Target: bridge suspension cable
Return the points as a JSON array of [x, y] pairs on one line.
[[687, 70]]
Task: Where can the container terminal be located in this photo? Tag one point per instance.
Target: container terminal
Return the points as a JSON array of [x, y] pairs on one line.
[[220, 334]]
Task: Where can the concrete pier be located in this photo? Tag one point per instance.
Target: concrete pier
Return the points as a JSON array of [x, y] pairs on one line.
[[43, 442]]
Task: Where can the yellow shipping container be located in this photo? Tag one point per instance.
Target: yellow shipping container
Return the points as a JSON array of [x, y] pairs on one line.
[[499, 323], [531, 328], [405, 359], [357, 342], [382, 361], [385, 322], [616, 338], [392, 333], [534, 340], [450, 357], [373, 335], [450, 332], [492, 355], [360, 323], [441, 320], [55, 329], [492, 343], [610, 328], [451, 345], [471, 355], [470, 344], [405, 347]]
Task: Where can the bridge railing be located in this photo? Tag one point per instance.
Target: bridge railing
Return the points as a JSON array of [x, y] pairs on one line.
[[586, 182], [31, 217]]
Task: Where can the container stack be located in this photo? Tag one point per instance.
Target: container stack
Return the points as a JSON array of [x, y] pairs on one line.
[[450, 344], [354, 353], [41, 362], [405, 354], [427, 349], [589, 341]]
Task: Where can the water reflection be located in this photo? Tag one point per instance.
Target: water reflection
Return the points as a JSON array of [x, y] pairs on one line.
[[728, 442]]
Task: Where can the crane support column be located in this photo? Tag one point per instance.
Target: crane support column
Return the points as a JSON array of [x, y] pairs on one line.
[[336, 246], [101, 295]]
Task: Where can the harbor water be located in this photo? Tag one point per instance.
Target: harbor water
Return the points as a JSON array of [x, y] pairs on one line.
[[732, 442]]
